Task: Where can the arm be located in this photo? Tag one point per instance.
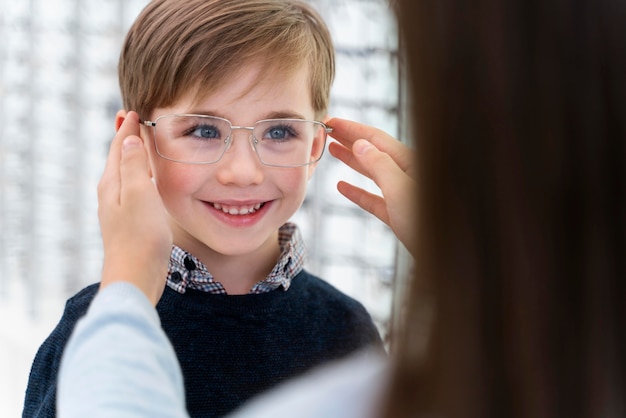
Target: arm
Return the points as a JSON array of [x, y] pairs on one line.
[[118, 361], [387, 162]]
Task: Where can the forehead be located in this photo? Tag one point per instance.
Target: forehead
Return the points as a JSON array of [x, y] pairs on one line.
[[252, 90]]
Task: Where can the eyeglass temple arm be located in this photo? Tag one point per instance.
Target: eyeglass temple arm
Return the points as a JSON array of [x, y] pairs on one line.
[[328, 129]]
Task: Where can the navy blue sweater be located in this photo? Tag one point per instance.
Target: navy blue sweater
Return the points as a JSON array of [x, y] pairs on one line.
[[230, 347]]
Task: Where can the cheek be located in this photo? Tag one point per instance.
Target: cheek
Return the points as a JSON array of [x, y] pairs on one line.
[[292, 182], [174, 181]]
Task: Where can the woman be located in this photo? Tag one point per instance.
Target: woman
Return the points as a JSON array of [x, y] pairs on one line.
[[521, 139]]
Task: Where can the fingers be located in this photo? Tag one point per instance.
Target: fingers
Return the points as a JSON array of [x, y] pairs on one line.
[[110, 182], [347, 132], [345, 155], [372, 203], [381, 168], [395, 207]]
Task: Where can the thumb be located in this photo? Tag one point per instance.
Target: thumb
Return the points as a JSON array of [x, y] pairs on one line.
[[134, 171]]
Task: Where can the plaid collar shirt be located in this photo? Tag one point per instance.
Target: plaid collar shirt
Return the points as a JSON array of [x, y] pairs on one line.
[[187, 272]]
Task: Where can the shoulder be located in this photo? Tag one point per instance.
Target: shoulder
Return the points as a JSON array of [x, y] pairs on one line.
[[40, 392], [312, 287], [78, 304], [75, 308], [325, 304]]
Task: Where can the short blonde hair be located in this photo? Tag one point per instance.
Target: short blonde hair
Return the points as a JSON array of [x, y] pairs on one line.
[[177, 46]]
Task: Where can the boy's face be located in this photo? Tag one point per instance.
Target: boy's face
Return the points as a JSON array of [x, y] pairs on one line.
[[203, 200]]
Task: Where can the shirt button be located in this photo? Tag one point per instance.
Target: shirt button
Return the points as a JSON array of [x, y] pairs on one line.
[[176, 277], [287, 264], [189, 264]]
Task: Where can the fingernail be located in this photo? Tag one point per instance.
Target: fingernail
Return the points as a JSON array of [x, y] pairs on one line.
[[130, 142], [361, 146]]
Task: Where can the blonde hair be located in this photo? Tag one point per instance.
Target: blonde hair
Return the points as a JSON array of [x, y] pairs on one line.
[[178, 46]]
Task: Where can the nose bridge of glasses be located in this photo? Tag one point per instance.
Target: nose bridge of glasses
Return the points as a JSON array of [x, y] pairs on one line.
[[250, 137]]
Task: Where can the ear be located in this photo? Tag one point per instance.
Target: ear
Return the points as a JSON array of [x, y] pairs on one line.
[[316, 148], [119, 118]]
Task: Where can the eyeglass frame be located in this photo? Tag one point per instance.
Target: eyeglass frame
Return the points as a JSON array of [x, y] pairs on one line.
[[229, 139]]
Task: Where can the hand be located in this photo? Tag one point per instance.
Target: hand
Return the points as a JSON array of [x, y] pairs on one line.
[[135, 231], [386, 161]]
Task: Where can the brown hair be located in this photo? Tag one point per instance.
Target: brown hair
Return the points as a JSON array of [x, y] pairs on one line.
[[521, 146], [177, 46]]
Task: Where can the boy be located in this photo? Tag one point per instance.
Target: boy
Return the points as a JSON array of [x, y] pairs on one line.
[[118, 361], [228, 94]]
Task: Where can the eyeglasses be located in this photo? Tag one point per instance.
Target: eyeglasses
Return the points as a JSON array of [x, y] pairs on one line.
[[201, 139]]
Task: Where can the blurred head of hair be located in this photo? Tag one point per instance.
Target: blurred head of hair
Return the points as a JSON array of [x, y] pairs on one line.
[[517, 306]]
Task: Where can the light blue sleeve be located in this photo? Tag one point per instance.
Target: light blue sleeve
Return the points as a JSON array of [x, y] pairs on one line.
[[352, 387], [119, 362]]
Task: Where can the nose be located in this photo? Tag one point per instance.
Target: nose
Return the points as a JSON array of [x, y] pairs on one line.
[[240, 165]]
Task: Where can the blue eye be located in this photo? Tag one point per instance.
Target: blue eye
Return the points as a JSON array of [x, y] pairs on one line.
[[280, 133], [205, 132]]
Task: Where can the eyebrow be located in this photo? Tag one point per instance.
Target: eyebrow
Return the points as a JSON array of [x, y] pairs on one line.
[[281, 114]]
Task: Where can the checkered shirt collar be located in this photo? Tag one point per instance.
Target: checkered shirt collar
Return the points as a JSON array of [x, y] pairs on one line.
[[187, 272]]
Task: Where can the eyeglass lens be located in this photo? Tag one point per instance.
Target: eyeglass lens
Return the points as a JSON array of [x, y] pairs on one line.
[[204, 139]]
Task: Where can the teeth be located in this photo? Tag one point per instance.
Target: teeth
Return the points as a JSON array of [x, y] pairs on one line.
[[237, 210]]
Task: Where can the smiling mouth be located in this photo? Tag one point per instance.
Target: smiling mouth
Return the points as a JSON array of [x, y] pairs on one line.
[[238, 210]]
